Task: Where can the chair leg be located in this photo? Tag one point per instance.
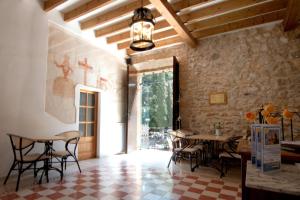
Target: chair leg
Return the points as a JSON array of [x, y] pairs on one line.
[[169, 162], [221, 175], [77, 163], [62, 168], [226, 168], [34, 169], [41, 178], [62, 164], [10, 170], [222, 168], [198, 158], [19, 175], [46, 170], [66, 163], [191, 162]]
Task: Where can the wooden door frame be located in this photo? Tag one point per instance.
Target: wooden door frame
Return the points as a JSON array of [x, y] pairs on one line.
[[176, 95], [176, 92], [78, 88]]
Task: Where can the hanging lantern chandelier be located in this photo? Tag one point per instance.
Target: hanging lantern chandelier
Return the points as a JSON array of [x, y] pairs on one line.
[[142, 27]]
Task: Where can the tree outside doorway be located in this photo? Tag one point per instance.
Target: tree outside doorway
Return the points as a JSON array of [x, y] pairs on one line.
[[157, 109]]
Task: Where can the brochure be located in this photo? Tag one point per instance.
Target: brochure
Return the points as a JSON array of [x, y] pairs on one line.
[[258, 140], [271, 150], [253, 143]]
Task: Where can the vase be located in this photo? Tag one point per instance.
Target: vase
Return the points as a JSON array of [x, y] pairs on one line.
[[218, 132]]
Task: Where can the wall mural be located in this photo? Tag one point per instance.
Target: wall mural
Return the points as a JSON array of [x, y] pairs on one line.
[[73, 61], [64, 86]]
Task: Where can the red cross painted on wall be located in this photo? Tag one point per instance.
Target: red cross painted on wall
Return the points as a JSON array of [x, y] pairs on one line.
[[86, 67]]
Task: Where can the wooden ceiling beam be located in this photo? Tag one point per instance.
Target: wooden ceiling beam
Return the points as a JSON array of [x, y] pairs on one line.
[[156, 36], [218, 8], [154, 55], [245, 23], [215, 9], [183, 4], [161, 43], [292, 18], [173, 19], [126, 35], [259, 9], [51, 4], [85, 9], [226, 18], [111, 15], [141, 71], [123, 25], [257, 20], [118, 37]]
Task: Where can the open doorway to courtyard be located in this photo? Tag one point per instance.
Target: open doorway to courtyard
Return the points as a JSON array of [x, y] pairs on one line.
[[157, 109], [153, 103]]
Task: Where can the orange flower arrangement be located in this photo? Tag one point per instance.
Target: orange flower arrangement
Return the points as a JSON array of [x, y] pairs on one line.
[[272, 120], [287, 114], [250, 116], [265, 113], [269, 108], [269, 114]]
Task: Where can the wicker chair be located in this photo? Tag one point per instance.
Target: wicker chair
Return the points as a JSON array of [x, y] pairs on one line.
[[229, 154], [71, 137], [21, 148], [182, 149]]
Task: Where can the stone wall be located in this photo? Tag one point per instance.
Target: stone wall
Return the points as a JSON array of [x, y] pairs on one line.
[[253, 66]]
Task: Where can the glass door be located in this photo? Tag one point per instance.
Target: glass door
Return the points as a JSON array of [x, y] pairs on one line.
[[88, 125]]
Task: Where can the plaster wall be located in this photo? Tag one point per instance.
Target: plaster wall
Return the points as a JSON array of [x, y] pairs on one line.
[[23, 71]]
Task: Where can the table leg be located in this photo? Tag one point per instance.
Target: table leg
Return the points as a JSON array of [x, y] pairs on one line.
[[243, 172], [48, 150], [212, 159]]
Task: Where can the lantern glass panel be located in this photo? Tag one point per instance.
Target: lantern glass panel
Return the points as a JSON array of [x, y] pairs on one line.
[[141, 30]]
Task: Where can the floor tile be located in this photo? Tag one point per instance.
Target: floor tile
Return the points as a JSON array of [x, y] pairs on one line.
[[130, 178]]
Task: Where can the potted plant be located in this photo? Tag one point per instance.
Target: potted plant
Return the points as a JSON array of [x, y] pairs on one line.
[[218, 126]]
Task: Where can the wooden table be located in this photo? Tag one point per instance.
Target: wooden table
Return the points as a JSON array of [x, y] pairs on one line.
[[43, 139], [210, 137], [244, 150]]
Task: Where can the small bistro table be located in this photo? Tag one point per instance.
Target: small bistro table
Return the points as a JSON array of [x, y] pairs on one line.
[[48, 141], [210, 137]]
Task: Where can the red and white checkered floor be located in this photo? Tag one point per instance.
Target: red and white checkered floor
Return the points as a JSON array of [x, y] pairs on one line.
[[129, 179]]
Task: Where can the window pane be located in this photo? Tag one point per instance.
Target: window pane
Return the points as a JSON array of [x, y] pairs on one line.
[[82, 114], [90, 114], [90, 130], [82, 129], [91, 99], [82, 99]]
